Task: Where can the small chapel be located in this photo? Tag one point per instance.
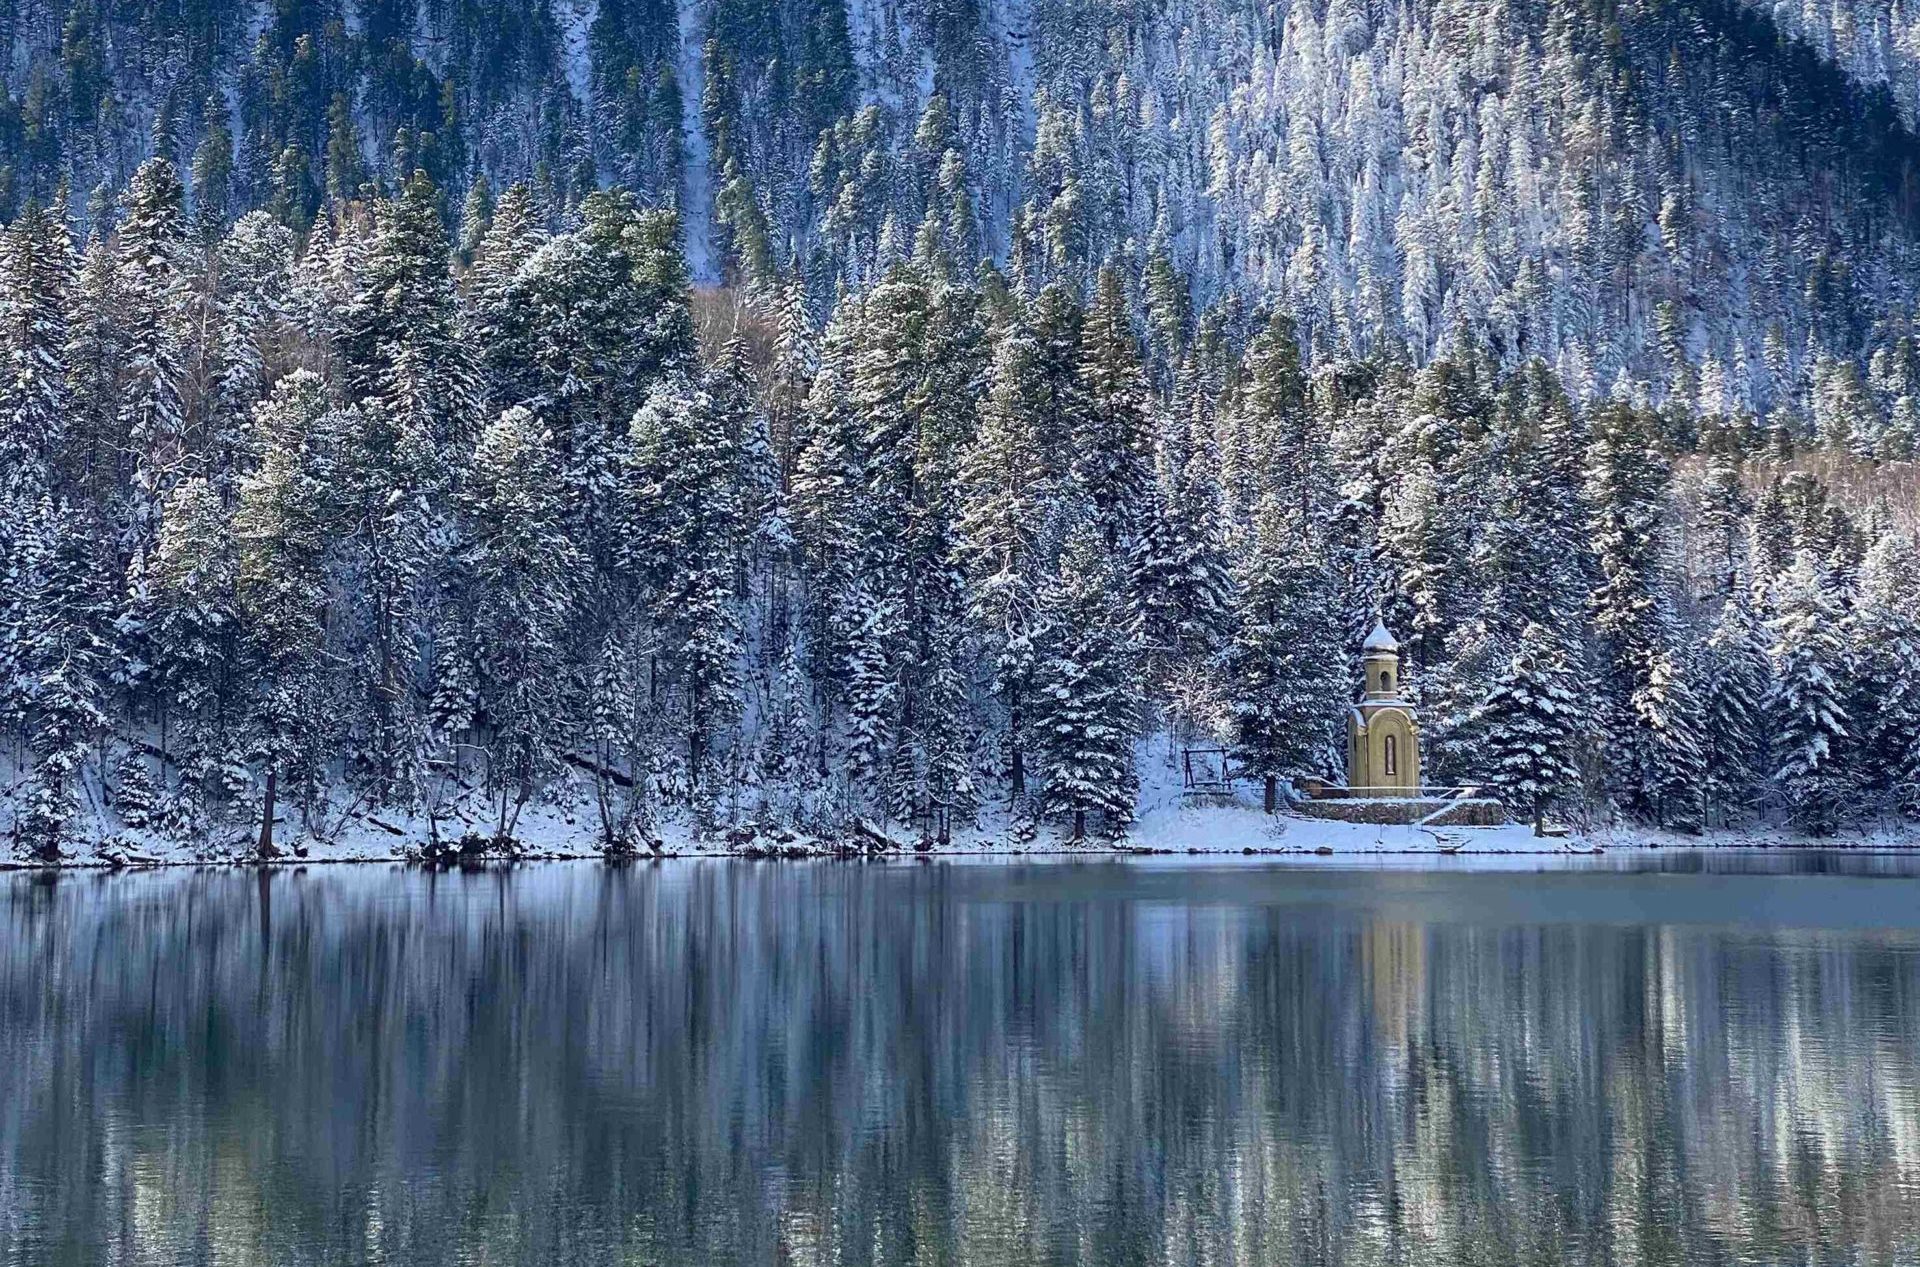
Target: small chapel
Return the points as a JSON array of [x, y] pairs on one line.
[[1383, 739]]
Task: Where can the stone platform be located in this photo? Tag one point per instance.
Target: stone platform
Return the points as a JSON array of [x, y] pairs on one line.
[[1385, 811]]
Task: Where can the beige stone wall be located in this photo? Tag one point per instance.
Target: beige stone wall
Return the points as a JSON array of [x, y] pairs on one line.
[[1367, 750]]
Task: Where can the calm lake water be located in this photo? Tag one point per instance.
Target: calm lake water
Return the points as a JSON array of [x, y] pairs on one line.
[[1683, 1059]]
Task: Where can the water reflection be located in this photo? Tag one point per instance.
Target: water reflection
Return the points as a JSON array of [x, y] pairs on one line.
[[706, 1063]]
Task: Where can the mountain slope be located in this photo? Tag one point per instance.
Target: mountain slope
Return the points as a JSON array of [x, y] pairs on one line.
[[1630, 188]]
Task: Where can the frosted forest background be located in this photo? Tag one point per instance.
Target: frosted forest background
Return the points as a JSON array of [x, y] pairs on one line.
[[795, 413]]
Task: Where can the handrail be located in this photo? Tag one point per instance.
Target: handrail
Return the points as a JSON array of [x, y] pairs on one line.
[[1451, 791]]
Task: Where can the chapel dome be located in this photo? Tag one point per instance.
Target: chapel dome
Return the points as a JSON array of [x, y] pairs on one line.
[[1380, 640]]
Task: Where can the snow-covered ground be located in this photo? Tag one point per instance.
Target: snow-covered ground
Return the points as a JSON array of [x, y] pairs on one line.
[[1168, 824]]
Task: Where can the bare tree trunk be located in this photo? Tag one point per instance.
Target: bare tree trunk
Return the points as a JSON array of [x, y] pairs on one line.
[[1079, 824], [1017, 765], [265, 848], [1273, 792]]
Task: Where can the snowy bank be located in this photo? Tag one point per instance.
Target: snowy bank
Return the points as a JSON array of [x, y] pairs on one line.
[[1168, 824]]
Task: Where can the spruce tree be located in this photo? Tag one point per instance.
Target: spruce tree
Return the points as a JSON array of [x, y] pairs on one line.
[[150, 291], [252, 308], [1884, 636], [1284, 663], [1086, 702], [282, 530], [1733, 690], [1112, 459], [687, 550], [35, 283], [1531, 721], [1007, 501], [60, 624], [398, 336], [1673, 763], [521, 574], [1628, 483], [194, 637], [1812, 734]]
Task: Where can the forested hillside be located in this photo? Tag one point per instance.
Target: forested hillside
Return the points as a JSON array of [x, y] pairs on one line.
[[789, 414], [1712, 197], [359, 527]]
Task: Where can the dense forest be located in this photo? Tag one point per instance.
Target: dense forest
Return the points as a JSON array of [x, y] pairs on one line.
[[1714, 197], [736, 414], [372, 517]]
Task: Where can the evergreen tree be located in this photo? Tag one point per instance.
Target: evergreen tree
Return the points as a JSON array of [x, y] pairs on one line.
[[1111, 446], [398, 336], [1531, 721], [1002, 528], [59, 623], [1627, 492], [687, 549], [1284, 664], [252, 308], [520, 573], [1671, 748], [281, 533], [35, 281], [1884, 652], [1811, 731], [150, 292], [1086, 703], [193, 633], [1733, 691]]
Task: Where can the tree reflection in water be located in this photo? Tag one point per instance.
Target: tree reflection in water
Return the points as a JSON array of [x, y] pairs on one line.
[[786, 1063]]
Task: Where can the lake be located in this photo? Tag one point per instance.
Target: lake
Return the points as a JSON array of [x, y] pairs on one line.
[[1648, 1058]]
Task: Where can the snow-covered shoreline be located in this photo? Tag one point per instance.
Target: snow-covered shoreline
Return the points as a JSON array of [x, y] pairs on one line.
[[1168, 829]]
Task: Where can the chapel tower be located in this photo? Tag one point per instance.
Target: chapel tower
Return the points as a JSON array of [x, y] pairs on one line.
[[1383, 740]]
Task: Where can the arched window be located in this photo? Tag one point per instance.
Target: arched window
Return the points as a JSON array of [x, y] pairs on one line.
[[1386, 680], [1390, 754]]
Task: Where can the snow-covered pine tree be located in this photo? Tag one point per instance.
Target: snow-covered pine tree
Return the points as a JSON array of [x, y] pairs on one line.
[[61, 621], [1086, 709], [826, 509], [1177, 568], [521, 575], [1281, 446], [788, 751], [1722, 516], [399, 338], [1284, 662], [252, 308], [95, 354], [282, 529], [1812, 735], [1112, 436], [1057, 320], [1884, 636], [868, 627], [1628, 483], [1531, 721], [1007, 499], [687, 550], [150, 296], [1671, 774], [35, 281], [1733, 690], [494, 315], [193, 633]]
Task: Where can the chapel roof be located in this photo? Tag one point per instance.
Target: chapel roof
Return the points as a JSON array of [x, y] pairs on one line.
[[1380, 639]]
